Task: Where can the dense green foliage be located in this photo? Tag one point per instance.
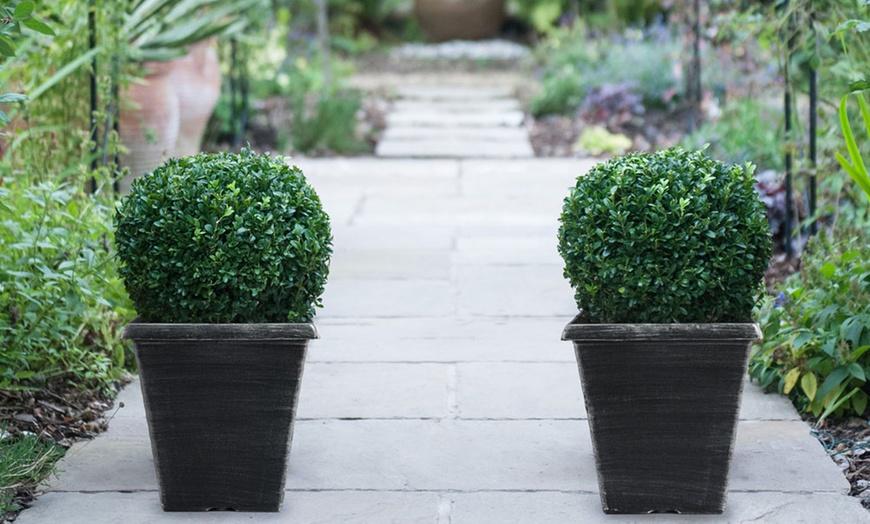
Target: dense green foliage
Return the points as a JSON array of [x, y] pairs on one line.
[[608, 14], [855, 166], [747, 131], [216, 238], [60, 298], [673, 236], [574, 64], [330, 126], [817, 331]]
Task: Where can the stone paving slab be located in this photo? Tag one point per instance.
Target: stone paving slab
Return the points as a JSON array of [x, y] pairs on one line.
[[538, 330], [464, 455], [459, 212], [511, 390], [561, 508], [486, 507], [486, 134], [440, 339], [759, 462], [450, 147], [393, 237], [361, 507], [441, 455], [379, 346], [371, 171], [400, 264], [387, 298], [503, 250], [374, 390], [107, 464], [526, 291], [478, 105], [463, 93], [551, 179], [441, 119]]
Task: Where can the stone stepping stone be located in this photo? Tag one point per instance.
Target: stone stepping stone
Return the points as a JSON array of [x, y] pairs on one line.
[[455, 133], [446, 119], [453, 149], [452, 93], [455, 122], [495, 105]]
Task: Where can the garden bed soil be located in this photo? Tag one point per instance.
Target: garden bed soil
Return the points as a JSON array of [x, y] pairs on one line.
[[848, 444]]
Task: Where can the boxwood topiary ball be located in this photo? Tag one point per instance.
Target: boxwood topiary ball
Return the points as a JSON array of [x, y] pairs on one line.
[[669, 237], [216, 238]]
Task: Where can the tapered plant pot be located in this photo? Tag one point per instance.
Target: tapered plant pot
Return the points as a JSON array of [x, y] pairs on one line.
[[663, 402], [220, 400], [444, 20]]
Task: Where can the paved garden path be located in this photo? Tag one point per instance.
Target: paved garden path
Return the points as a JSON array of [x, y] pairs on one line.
[[455, 121], [440, 391]]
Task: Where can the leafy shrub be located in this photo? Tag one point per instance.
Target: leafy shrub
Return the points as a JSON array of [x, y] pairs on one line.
[[216, 238], [742, 134], [597, 140], [542, 14], [574, 65], [60, 298], [673, 236], [817, 330], [330, 126]]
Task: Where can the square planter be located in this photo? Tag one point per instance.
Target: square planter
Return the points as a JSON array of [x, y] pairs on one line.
[[220, 400], [663, 402]]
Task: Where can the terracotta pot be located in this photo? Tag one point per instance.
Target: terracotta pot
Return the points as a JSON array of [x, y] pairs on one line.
[[197, 82], [166, 115], [459, 19], [149, 120]]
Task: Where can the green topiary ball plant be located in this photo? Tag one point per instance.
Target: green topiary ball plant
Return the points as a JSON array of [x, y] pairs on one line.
[[218, 238], [669, 237]]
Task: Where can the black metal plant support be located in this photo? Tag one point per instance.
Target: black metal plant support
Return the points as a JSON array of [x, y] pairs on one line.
[[693, 71], [789, 218], [239, 96], [813, 120], [789, 215], [92, 44]]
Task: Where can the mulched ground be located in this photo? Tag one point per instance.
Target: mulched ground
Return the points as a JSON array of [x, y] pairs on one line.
[[848, 445], [59, 414]]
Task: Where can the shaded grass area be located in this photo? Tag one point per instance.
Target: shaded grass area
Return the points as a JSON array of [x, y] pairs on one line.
[[25, 460], [36, 429]]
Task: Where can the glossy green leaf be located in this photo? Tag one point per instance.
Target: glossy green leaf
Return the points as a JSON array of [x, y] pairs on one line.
[[809, 385]]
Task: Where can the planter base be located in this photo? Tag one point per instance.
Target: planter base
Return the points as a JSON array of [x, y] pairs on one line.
[[663, 403], [220, 402]]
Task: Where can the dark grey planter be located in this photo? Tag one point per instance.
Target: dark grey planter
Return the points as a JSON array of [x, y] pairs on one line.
[[663, 402], [220, 401]]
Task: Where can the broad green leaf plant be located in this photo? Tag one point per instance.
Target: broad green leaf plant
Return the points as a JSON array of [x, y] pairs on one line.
[[855, 166], [817, 330]]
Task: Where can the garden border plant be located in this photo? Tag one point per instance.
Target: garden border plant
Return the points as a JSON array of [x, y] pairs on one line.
[[666, 253]]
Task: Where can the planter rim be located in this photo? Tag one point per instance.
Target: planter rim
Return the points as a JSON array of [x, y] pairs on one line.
[[577, 330], [138, 330]]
